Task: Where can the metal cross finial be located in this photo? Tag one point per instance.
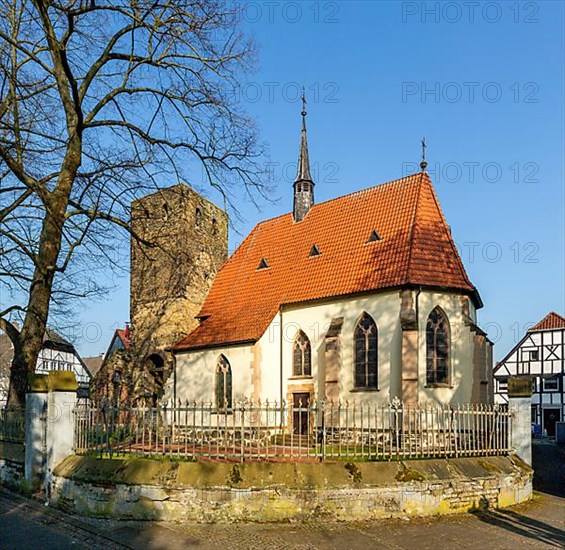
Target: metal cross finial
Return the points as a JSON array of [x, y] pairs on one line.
[[424, 163], [303, 101]]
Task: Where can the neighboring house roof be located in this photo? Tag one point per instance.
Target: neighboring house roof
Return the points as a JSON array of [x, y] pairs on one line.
[[413, 247], [120, 340], [6, 348], [54, 340], [6, 355], [93, 364], [51, 340], [550, 322], [124, 336]]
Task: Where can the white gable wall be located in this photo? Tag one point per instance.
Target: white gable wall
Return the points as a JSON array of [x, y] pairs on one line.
[[256, 368], [461, 355], [315, 319]]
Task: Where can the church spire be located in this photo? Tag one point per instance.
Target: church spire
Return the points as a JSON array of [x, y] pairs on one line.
[[303, 185]]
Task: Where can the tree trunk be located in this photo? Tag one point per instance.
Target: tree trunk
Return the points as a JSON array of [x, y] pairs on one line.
[[27, 350]]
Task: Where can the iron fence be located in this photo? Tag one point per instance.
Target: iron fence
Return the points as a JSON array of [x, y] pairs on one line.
[[12, 425], [255, 431]]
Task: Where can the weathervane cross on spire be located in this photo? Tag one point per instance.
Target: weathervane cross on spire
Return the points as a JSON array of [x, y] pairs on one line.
[[424, 163], [303, 101]]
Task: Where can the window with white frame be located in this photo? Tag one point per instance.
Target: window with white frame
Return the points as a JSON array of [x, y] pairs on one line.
[[551, 383], [503, 384]]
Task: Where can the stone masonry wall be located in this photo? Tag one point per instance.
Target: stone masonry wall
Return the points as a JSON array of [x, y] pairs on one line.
[[183, 242], [185, 491], [12, 465]]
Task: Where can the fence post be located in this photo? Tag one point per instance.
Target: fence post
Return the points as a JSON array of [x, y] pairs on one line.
[[35, 425], [519, 405], [61, 402]]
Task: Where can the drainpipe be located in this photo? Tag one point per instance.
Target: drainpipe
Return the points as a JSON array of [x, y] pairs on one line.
[[280, 355], [281, 359]]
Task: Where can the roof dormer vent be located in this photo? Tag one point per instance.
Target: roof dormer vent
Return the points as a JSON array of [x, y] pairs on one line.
[[263, 264], [373, 237], [314, 251]]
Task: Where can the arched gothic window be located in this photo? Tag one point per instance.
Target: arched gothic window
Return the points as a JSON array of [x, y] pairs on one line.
[[437, 348], [301, 356], [223, 384], [366, 353]]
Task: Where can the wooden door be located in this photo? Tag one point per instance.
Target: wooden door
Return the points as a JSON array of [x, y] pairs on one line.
[[550, 417], [300, 415]]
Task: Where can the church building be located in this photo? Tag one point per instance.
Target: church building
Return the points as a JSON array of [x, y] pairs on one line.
[[362, 298]]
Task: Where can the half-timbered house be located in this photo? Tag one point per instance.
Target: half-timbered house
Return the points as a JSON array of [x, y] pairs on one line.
[[56, 353], [541, 355]]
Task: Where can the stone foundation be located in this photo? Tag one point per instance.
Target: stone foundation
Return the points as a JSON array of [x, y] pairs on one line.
[[205, 492]]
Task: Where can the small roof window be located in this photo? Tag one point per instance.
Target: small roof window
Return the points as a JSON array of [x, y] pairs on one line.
[[314, 251], [263, 264], [373, 237]]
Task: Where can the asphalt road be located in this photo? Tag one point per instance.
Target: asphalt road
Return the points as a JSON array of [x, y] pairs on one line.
[[540, 524]]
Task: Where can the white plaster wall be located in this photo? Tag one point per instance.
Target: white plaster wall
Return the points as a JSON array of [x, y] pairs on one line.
[[256, 368], [461, 352], [315, 320], [195, 373]]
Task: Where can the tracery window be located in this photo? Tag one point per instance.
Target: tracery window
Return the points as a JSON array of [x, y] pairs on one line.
[[437, 348], [301, 356], [366, 353], [223, 384]]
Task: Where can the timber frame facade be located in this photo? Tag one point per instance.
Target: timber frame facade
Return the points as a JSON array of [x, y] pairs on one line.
[[541, 355]]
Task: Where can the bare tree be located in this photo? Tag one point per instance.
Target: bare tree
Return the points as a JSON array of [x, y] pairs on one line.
[[101, 101]]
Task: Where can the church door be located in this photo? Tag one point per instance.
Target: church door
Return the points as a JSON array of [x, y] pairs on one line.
[[300, 415]]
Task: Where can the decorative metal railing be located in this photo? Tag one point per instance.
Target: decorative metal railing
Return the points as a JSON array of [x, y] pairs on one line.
[[264, 431], [12, 425]]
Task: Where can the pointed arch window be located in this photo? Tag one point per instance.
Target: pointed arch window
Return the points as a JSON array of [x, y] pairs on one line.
[[437, 348], [223, 384], [301, 356], [366, 353]]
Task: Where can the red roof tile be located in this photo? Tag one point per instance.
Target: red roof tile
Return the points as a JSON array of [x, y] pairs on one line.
[[415, 248], [551, 321], [123, 335]]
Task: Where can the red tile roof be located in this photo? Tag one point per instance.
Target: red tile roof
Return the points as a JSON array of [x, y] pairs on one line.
[[415, 248], [124, 335], [551, 321]]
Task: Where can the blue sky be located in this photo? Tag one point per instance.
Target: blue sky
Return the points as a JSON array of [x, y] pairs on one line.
[[485, 85]]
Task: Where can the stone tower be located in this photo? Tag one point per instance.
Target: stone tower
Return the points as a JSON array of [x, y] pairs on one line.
[[182, 241]]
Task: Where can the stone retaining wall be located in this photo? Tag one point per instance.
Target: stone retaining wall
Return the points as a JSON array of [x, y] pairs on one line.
[[12, 465], [192, 491]]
